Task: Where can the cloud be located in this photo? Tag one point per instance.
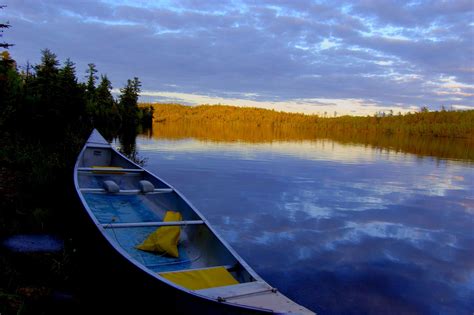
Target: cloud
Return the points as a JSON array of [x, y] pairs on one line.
[[320, 106], [376, 52]]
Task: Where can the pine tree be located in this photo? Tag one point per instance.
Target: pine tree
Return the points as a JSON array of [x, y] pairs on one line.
[[90, 89], [91, 78], [71, 96], [129, 101], [107, 112], [46, 91]]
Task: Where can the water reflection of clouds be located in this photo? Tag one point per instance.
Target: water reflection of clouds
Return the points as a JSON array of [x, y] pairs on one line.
[[350, 234], [467, 205], [266, 238], [391, 245], [396, 231], [359, 244], [436, 184], [393, 233], [292, 204]]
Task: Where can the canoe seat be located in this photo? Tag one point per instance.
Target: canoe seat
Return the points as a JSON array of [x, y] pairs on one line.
[[110, 186], [198, 279], [146, 186]]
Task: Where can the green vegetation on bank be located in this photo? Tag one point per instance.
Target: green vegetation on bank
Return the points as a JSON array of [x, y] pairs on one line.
[[450, 124], [46, 114]]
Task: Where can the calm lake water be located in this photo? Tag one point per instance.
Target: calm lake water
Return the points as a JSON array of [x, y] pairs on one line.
[[338, 228]]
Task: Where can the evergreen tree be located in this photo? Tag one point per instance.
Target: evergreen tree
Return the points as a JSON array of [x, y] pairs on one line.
[[45, 107], [107, 112], [68, 74], [47, 77], [103, 92], [129, 101], [90, 88], [71, 96], [91, 78]]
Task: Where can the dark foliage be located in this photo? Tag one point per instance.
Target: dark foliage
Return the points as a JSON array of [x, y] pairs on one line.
[[46, 114]]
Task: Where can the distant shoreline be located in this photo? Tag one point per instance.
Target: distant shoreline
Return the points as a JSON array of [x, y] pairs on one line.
[[445, 124]]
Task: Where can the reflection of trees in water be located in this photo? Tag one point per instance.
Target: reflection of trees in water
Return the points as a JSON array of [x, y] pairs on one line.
[[265, 133], [127, 136], [128, 144]]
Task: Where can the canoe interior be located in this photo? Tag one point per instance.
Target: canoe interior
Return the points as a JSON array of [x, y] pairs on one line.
[[198, 246], [129, 216]]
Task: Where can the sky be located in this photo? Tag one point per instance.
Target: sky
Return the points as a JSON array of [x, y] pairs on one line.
[[344, 57]]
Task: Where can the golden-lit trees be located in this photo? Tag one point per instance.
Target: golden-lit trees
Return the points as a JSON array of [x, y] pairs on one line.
[[424, 134], [451, 124]]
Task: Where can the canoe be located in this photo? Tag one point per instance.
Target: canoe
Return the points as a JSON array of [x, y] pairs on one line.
[[131, 207]]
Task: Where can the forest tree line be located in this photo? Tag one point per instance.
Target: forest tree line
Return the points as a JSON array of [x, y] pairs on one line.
[[49, 99], [46, 114], [450, 124]]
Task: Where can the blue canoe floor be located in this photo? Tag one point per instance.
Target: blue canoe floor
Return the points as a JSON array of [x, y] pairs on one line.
[[132, 208]]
